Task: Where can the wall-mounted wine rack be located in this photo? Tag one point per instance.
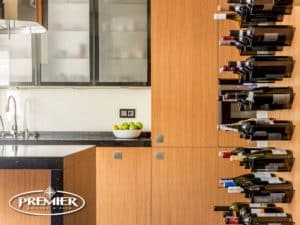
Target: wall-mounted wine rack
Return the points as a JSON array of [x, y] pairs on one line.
[[262, 81]]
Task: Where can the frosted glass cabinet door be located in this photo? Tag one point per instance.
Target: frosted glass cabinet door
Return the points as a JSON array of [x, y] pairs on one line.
[[123, 41], [20, 59], [65, 55]]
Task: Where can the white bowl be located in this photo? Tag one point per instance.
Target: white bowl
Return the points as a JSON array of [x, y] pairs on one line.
[[127, 134]]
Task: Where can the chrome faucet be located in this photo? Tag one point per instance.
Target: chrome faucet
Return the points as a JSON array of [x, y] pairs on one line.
[[2, 127], [14, 130]]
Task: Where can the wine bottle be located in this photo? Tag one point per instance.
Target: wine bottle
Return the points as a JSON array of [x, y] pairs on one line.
[[285, 219], [269, 35], [243, 15], [259, 40], [261, 69], [245, 49], [264, 98], [261, 129], [269, 196], [262, 189], [246, 180], [240, 209], [260, 6], [262, 159]]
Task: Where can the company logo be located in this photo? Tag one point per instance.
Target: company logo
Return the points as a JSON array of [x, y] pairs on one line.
[[47, 202]]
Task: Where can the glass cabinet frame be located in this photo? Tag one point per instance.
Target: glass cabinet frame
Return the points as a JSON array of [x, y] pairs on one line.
[[94, 46]]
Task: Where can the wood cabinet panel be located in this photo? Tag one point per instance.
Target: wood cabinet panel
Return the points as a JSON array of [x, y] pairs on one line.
[[14, 182], [184, 186], [123, 186], [79, 178], [184, 72]]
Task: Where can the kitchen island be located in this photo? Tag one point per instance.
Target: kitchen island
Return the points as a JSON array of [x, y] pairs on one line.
[[68, 168]]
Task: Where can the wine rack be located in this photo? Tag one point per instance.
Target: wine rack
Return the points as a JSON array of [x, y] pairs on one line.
[[266, 40]]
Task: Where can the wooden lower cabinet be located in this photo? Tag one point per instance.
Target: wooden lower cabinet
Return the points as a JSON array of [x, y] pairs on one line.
[[184, 187], [123, 186], [13, 182]]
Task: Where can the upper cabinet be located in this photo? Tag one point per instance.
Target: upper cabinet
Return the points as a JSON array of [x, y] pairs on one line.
[[88, 43], [123, 42], [65, 47], [184, 73]]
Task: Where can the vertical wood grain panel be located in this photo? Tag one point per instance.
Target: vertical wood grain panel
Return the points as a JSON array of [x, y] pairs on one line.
[[123, 187], [184, 188], [184, 72], [13, 182], [80, 178]]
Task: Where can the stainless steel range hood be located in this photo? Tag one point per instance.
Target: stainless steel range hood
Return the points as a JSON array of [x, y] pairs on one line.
[[23, 16]]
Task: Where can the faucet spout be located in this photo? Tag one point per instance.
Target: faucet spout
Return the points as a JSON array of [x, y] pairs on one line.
[[10, 99]]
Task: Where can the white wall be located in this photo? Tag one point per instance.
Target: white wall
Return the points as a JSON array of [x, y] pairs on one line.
[[77, 109]]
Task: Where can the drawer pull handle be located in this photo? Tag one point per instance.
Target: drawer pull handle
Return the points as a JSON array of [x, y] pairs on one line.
[[117, 155]]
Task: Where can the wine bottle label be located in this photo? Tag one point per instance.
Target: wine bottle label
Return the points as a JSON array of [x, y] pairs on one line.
[[271, 36], [271, 214], [268, 7], [263, 52], [279, 152], [236, 189], [274, 136], [281, 99], [220, 16], [277, 197], [272, 180], [250, 97], [262, 174], [256, 211], [257, 205], [237, 157], [274, 166]]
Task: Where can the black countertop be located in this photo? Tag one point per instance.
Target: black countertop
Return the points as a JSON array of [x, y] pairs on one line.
[[100, 139]]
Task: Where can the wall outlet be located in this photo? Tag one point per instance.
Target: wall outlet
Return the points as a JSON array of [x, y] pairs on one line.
[[127, 113]]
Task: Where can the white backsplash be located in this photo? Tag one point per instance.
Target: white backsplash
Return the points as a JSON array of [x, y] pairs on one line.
[[77, 109]]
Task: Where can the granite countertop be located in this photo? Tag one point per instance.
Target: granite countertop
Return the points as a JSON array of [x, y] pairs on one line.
[[105, 139], [37, 156], [41, 151]]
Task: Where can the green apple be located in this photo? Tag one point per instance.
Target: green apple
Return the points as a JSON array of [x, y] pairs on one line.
[[133, 127], [116, 127], [139, 125], [125, 126]]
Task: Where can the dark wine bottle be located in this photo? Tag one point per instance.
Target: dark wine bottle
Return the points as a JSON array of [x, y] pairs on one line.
[[260, 40], [242, 14], [264, 98], [246, 180], [269, 35], [253, 220], [245, 49], [262, 189], [261, 6], [262, 159], [262, 129], [261, 69]]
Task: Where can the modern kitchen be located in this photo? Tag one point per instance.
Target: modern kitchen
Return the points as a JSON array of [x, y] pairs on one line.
[[149, 112]]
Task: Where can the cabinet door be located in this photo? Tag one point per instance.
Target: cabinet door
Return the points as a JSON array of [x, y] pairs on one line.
[[123, 186], [14, 182], [184, 72], [123, 42], [65, 56], [17, 58], [184, 188]]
